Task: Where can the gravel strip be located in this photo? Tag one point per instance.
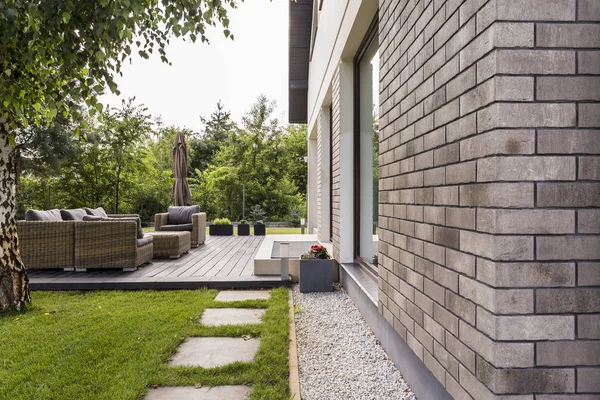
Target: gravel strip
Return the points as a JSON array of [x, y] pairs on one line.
[[339, 357]]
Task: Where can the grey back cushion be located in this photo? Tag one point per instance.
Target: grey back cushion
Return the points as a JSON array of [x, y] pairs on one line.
[[99, 212], [37, 215], [181, 214], [92, 218], [76, 214], [139, 233]]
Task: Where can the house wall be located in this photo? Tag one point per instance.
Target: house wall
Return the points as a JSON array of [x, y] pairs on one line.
[[490, 193]]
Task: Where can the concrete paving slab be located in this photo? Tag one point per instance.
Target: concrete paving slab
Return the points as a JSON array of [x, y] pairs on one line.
[[204, 393], [231, 316], [241, 295], [209, 352]]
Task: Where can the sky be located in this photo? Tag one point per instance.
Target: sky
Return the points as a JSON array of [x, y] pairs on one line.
[[235, 72]]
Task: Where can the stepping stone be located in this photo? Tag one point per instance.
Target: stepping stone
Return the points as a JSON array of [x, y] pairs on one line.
[[209, 352], [231, 316], [204, 393], [240, 295]]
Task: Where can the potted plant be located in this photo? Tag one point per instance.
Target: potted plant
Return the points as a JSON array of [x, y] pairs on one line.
[[243, 228], [316, 270], [221, 227], [259, 228]]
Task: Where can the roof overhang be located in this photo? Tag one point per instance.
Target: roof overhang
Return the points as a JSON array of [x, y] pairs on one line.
[[299, 48]]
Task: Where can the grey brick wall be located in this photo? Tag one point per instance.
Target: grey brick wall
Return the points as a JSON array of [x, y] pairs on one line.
[[335, 164], [490, 200]]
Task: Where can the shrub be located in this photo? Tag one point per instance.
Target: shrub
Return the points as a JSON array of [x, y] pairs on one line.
[[316, 252], [221, 221], [243, 222]]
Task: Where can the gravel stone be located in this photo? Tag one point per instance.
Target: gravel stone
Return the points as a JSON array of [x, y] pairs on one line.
[[339, 357]]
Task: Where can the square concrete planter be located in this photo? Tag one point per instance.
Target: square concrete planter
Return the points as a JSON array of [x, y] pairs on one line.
[[220, 230], [316, 276]]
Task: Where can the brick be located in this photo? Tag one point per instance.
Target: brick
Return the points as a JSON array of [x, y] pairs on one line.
[[548, 380], [525, 221], [496, 300], [473, 386], [469, 8], [588, 326], [424, 196], [576, 194], [446, 237], [461, 128], [449, 70], [436, 330], [515, 275], [446, 155], [424, 232], [434, 215], [588, 221], [580, 300], [435, 253], [499, 354], [465, 355], [580, 352], [476, 49], [461, 307], [526, 115], [526, 168], [460, 217], [524, 61], [449, 363], [567, 35], [501, 248], [435, 291], [446, 278], [446, 319], [445, 32], [568, 88], [434, 177], [424, 267], [447, 195], [589, 10], [424, 160], [414, 213], [435, 101], [514, 195], [589, 168], [589, 115], [588, 62], [461, 38], [424, 338], [567, 248], [463, 82], [435, 367], [450, 111], [507, 88], [415, 346], [588, 380], [424, 303], [434, 139], [533, 327], [498, 142], [455, 390], [569, 141], [536, 10], [460, 262], [588, 274]]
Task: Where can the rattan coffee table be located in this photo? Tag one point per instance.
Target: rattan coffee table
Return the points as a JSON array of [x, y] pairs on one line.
[[170, 244]]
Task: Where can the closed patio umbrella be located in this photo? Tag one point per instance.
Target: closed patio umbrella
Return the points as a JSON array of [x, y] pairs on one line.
[[181, 191]]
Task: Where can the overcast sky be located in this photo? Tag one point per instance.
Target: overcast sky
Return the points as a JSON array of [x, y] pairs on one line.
[[235, 72]]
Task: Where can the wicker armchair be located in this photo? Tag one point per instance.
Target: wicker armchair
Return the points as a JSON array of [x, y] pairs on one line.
[[198, 226]]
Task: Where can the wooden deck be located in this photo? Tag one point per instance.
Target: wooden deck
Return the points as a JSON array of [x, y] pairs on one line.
[[221, 262]]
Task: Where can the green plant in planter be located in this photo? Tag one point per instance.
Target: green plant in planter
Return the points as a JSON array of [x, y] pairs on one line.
[[243, 222], [221, 227], [243, 228], [222, 221]]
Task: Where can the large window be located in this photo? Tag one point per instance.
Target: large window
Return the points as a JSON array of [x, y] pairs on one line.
[[366, 130]]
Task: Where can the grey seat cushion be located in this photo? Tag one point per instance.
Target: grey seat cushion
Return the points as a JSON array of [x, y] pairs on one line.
[[75, 214], [92, 218], [99, 212], [181, 214], [177, 228], [48, 215], [145, 240]]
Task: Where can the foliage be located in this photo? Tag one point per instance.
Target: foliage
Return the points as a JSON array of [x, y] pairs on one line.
[[243, 222], [72, 345], [221, 221], [316, 252]]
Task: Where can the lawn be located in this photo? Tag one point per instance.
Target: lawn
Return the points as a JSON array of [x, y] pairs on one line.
[[115, 345], [270, 231]]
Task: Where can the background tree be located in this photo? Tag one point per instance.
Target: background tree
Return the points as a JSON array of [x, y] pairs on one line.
[[54, 54]]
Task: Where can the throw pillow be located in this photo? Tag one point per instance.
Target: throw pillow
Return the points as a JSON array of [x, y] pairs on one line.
[[181, 214], [99, 212], [37, 215], [76, 214]]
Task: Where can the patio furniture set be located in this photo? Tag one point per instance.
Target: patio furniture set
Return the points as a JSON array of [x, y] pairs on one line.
[[78, 239]]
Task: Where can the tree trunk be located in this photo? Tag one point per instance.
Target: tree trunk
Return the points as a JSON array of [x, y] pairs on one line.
[[14, 287]]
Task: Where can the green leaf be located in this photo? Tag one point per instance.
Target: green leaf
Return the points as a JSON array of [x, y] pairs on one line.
[[66, 17], [37, 107]]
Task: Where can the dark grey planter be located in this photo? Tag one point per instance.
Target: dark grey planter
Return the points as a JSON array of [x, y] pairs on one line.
[[220, 230], [316, 276], [243, 230], [259, 229]]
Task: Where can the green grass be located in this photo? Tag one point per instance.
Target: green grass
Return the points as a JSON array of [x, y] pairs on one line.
[[270, 231], [115, 345]]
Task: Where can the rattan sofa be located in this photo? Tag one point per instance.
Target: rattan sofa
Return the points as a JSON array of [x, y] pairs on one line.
[[83, 244], [197, 228]]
